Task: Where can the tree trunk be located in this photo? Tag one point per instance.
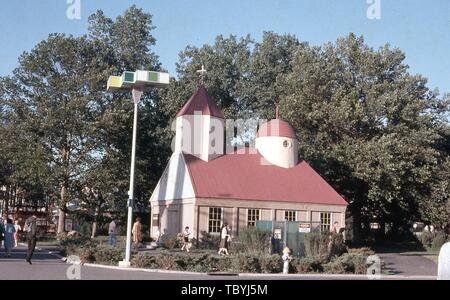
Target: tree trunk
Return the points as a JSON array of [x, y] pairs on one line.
[[62, 211], [94, 224]]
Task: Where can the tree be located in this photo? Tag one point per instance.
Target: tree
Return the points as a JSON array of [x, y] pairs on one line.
[[368, 126]]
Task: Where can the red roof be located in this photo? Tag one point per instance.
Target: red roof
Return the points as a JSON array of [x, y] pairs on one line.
[[276, 127], [242, 176], [203, 102]]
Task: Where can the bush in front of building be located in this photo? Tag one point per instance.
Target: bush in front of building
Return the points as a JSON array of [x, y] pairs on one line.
[[170, 241], [316, 244], [347, 264], [74, 244], [306, 265], [271, 263], [108, 255], [144, 261], [208, 240], [255, 241]]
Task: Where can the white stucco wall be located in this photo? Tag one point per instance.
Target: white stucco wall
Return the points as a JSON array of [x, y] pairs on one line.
[[273, 150], [175, 183]]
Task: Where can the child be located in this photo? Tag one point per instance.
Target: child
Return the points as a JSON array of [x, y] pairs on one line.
[[9, 237], [185, 236], [16, 234]]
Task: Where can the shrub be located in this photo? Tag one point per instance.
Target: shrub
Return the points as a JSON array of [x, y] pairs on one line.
[[433, 240], [347, 263], [246, 263], [255, 241], [316, 244], [439, 240], [366, 251], [166, 261], [108, 255], [426, 238], [170, 241], [335, 267], [75, 245], [208, 241], [337, 246], [87, 254], [307, 265], [143, 260], [271, 263]]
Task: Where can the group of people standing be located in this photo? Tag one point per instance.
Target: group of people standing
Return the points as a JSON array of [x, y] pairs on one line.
[[9, 235]]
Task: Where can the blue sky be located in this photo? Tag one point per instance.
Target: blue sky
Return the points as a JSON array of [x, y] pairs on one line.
[[420, 28]]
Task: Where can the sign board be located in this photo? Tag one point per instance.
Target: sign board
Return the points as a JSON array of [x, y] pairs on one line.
[[277, 233], [304, 228]]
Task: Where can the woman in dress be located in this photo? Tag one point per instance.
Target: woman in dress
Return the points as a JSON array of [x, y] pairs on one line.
[[223, 240], [16, 234], [137, 232], [9, 237]]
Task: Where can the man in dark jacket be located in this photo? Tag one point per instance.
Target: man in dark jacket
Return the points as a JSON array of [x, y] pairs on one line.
[[31, 230]]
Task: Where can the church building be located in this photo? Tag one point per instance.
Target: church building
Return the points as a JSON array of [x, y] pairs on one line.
[[202, 187]]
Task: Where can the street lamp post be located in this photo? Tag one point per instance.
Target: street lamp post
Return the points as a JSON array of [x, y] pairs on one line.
[[137, 82]]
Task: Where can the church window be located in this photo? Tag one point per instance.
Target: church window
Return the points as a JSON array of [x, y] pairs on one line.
[[252, 217], [215, 219], [325, 221]]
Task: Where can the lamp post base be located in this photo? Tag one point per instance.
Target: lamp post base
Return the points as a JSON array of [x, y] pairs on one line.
[[124, 264]]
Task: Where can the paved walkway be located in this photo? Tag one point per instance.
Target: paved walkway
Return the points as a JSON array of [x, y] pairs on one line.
[[408, 264]]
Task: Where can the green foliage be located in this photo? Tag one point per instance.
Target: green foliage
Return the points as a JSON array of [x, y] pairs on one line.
[[316, 244], [271, 263], [255, 241], [166, 261], [433, 240], [439, 240], [208, 240], [108, 255], [347, 263], [337, 246], [246, 263], [307, 265], [144, 260], [170, 241], [362, 251]]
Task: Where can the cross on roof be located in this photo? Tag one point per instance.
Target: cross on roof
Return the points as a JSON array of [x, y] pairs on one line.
[[202, 73]]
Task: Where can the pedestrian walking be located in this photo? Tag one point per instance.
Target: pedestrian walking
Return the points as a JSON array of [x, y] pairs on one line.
[[137, 232], [2, 230], [31, 231], [224, 239], [16, 234], [157, 235], [112, 233], [9, 237], [185, 236]]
